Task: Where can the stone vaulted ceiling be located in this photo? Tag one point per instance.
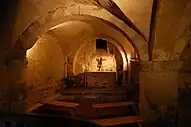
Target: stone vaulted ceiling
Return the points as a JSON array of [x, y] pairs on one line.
[[35, 17], [78, 34]]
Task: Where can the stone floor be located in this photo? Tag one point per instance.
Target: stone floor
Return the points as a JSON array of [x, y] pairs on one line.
[[92, 95], [89, 96], [88, 113], [184, 104]]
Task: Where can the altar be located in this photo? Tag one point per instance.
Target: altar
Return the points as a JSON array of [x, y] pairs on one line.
[[100, 79]]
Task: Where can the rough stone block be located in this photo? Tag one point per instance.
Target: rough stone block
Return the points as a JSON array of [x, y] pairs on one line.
[[157, 66], [146, 66], [173, 65]]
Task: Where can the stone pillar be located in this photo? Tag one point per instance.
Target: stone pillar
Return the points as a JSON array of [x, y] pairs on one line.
[[3, 86], [17, 85], [70, 66], [159, 90]]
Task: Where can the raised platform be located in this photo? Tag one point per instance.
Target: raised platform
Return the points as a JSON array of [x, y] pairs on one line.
[[101, 79], [104, 114], [92, 95]]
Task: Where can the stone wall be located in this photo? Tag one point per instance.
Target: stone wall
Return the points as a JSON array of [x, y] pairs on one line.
[[17, 85], [87, 55], [74, 42], [44, 70], [84, 53], [158, 90]]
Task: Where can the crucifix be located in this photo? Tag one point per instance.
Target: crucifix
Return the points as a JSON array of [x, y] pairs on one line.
[[99, 63]]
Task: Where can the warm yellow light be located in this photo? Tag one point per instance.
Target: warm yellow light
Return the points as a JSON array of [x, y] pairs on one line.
[[32, 51], [129, 62], [29, 52], [124, 60], [129, 57], [108, 64]]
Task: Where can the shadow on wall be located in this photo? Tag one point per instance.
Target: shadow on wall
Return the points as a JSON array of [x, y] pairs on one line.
[[185, 72], [162, 115], [44, 70]]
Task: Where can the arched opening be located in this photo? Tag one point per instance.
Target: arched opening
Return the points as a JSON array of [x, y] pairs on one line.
[[99, 62], [70, 47], [114, 44], [59, 32]]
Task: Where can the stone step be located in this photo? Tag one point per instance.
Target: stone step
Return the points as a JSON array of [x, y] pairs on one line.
[[91, 98], [120, 121], [87, 110], [93, 95], [93, 92]]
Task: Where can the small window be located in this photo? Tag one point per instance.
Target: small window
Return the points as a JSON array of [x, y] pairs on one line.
[[101, 44]]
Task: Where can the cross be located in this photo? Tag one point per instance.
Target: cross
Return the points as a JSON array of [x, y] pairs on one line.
[[99, 63]]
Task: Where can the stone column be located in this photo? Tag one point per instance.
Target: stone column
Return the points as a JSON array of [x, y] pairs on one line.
[[3, 86], [159, 90], [17, 85]]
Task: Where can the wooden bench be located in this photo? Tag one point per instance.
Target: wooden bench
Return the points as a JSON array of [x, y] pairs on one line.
[[35, 107], [120, 121], [65, 106], [113, 104], [110, 105]]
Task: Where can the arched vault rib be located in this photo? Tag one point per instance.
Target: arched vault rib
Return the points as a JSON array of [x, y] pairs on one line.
[[113, 8], [58, 16]]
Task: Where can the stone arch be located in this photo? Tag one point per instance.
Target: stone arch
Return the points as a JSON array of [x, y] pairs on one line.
[[181, 42], [112, 41], [118, 46], [41, 25]]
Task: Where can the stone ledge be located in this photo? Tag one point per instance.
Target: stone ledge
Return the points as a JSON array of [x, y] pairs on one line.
[[160, 66]]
